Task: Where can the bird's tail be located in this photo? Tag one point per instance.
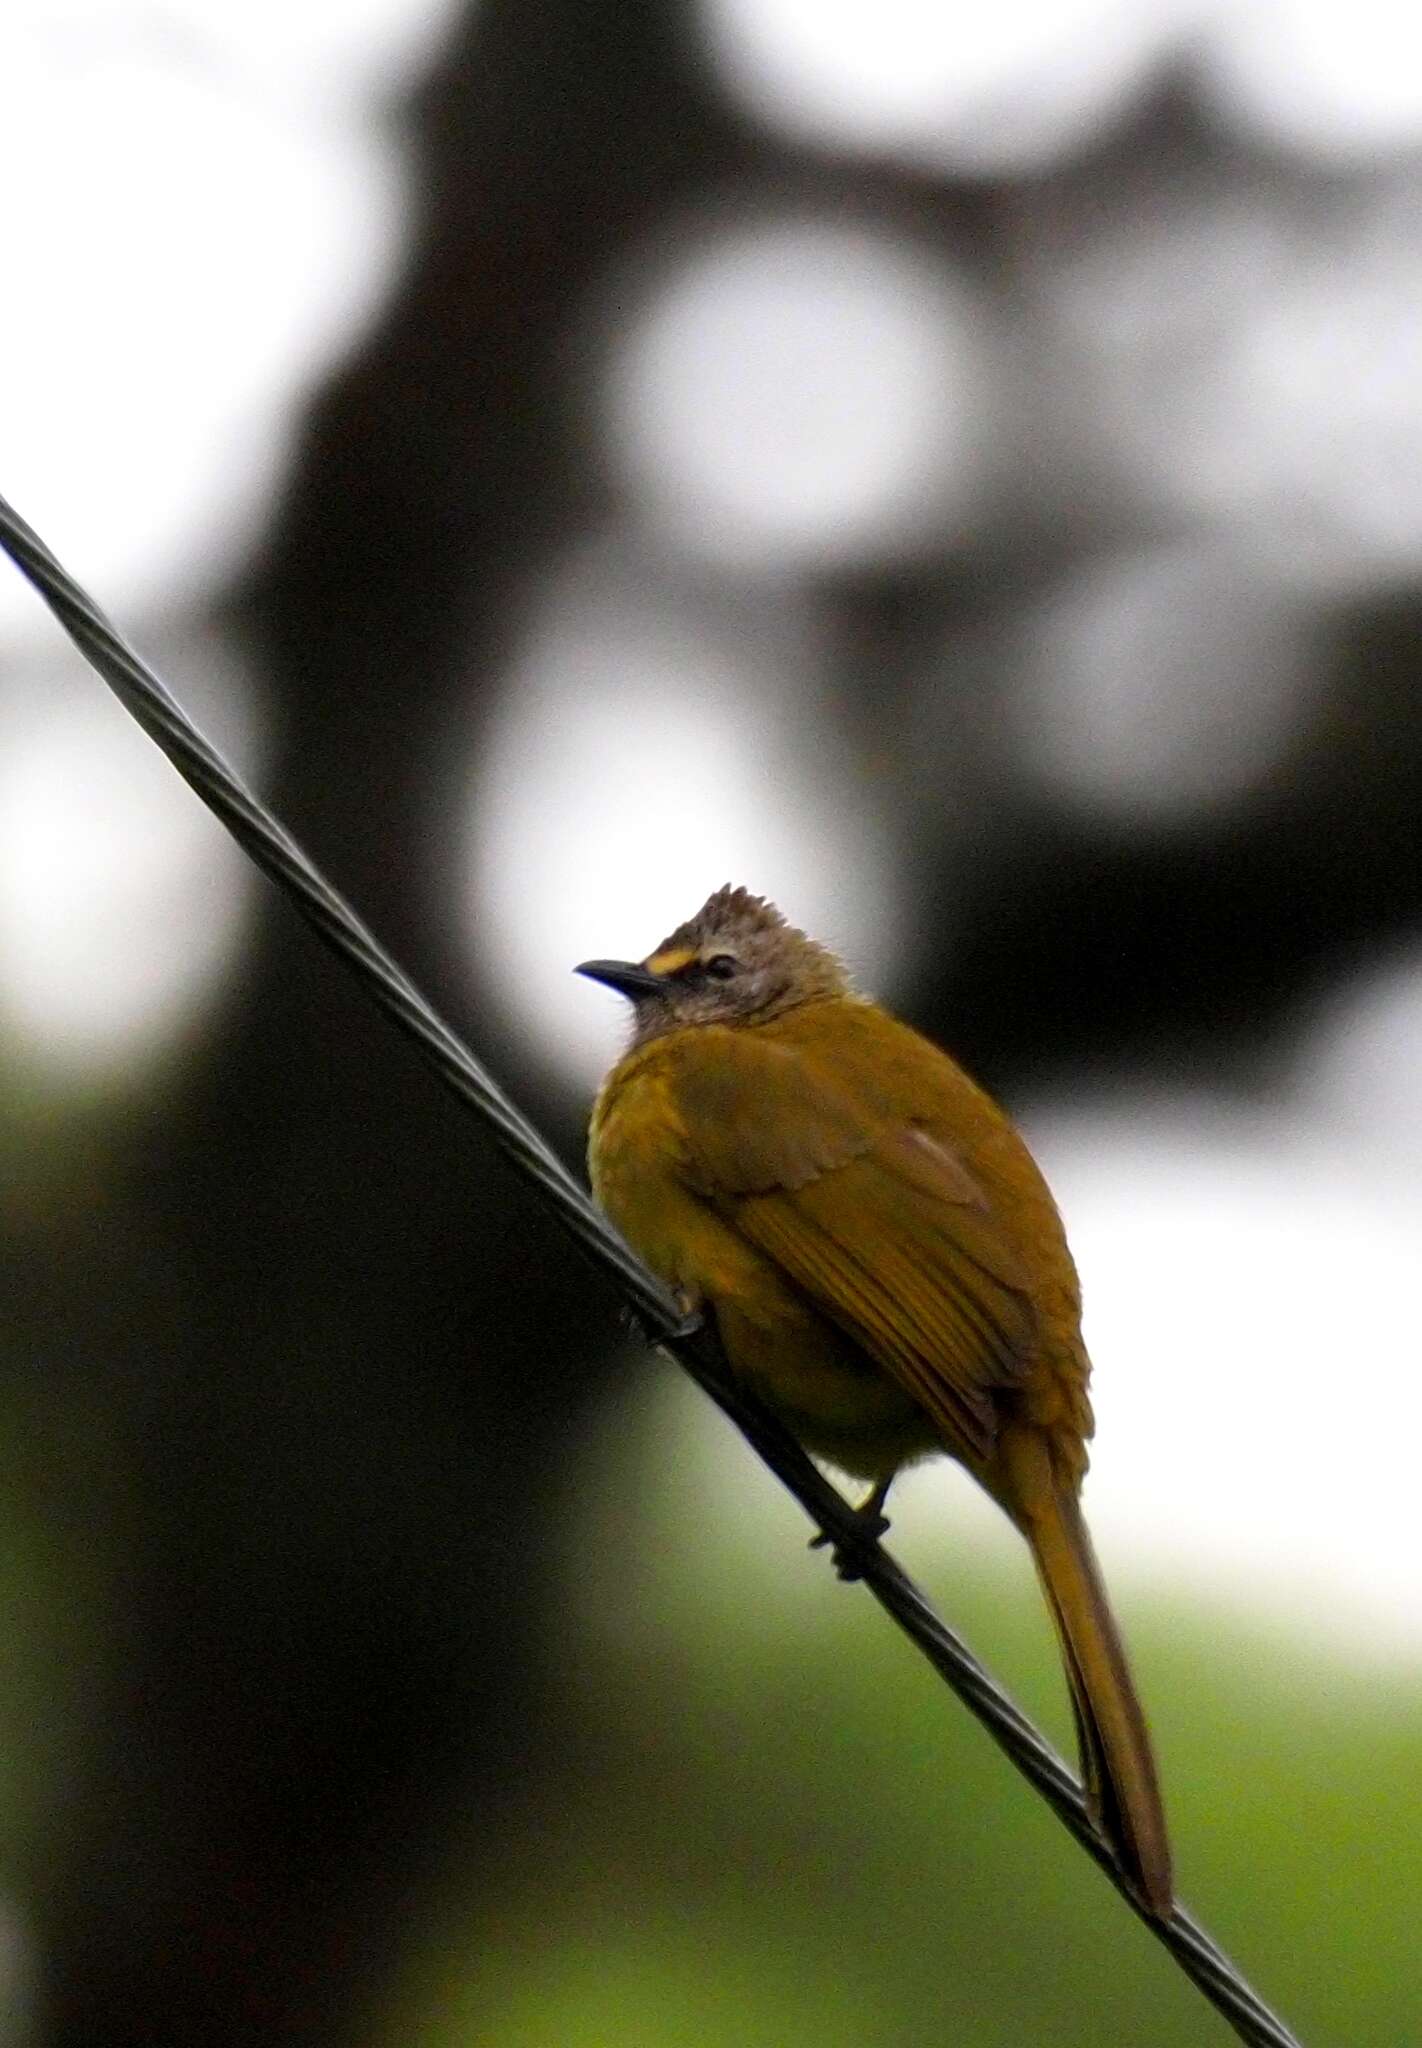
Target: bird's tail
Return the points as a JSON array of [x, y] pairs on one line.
[[1116, 1761]]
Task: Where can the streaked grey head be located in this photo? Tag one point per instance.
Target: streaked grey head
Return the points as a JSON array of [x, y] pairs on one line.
[[736, 962]]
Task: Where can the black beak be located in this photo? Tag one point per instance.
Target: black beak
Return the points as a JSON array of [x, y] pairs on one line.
[[625, 976]]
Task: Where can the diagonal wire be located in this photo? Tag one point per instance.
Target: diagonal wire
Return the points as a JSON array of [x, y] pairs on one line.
[[262, 836]]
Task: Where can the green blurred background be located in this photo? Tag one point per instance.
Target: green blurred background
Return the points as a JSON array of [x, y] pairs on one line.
[[779, 1827], [958, 471]]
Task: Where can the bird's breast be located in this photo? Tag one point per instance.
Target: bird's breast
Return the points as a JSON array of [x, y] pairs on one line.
[[637, 1159]]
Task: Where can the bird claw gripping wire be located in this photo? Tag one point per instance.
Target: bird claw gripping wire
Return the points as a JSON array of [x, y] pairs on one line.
[[852, 1547], [641, 1326]]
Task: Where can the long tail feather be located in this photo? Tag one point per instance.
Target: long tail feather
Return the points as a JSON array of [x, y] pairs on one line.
[[1117, 1764]]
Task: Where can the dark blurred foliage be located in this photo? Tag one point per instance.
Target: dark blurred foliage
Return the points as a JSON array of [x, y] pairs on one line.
[[335, 1371]]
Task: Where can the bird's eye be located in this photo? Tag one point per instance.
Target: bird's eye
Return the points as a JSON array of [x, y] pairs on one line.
[[721, 966]]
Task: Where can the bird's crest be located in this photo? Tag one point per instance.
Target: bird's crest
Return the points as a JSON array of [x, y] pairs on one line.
[[729, 913]]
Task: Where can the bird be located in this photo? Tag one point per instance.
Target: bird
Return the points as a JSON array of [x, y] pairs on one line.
[[883, 1264]]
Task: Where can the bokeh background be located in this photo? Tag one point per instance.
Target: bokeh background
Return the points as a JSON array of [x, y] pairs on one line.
[[957, 469]]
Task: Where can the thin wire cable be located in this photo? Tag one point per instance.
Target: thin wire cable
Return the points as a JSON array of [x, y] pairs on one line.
[[263, 837]]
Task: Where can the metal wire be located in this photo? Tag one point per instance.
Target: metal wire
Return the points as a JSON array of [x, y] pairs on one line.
[[271, 846]]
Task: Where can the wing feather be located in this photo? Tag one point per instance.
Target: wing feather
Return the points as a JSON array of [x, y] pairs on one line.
[[881, 1224]]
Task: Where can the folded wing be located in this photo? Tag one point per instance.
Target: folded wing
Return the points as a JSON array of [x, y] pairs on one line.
[[879, 1223]]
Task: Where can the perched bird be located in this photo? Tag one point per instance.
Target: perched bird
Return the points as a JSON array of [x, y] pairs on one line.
[[883, 1262]]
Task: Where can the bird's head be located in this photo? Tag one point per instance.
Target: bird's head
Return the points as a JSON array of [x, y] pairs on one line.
[[736, 962]]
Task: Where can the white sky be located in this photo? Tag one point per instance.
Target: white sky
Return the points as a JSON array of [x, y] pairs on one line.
[[1164, 682], [798, 393], [1007, 88], [121, 897], [998, 88], [1326, 78], [189, 246], [1248, 1284], [202, 209]]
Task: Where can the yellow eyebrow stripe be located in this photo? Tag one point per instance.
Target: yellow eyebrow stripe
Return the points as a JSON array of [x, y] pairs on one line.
[[672, 961]]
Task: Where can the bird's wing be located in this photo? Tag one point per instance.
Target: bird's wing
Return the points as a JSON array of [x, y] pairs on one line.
[[880, 1223]]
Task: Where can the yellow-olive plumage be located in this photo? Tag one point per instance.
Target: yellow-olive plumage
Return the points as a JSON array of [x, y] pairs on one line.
[[883, 1261]]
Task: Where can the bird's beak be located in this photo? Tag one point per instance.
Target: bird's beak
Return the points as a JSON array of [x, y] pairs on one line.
[[625, 976]]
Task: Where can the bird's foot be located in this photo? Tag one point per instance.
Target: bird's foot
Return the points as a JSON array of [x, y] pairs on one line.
[[851, 1551], [692, 1320]]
